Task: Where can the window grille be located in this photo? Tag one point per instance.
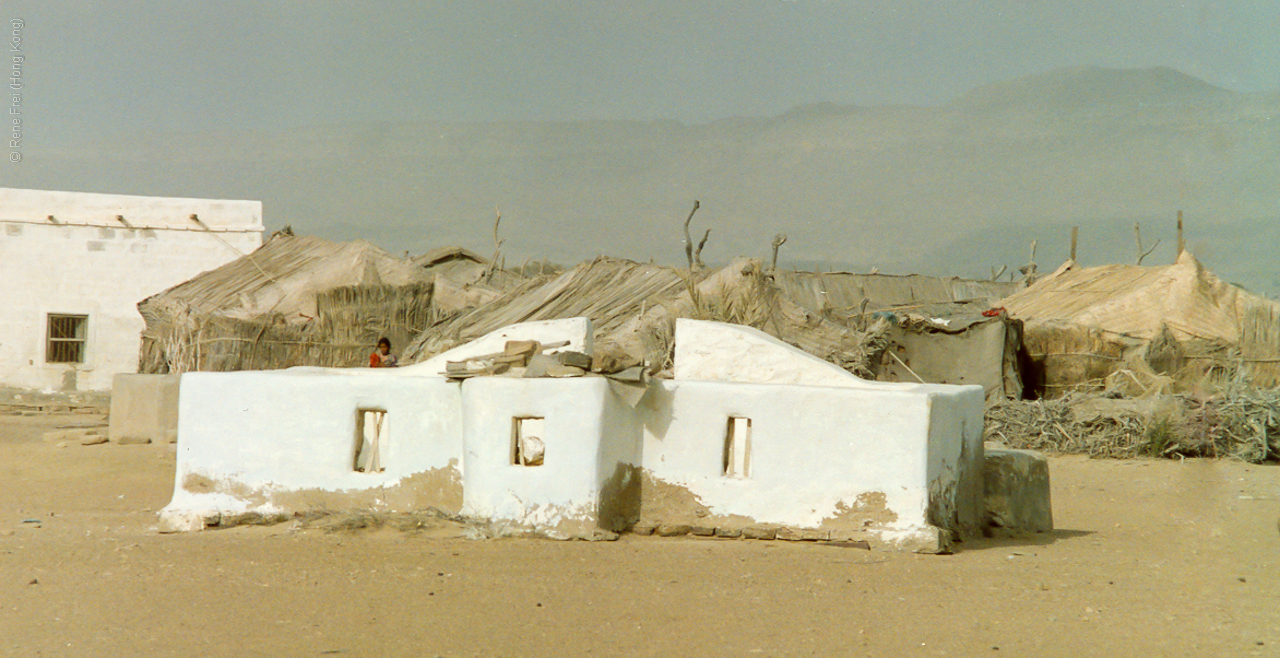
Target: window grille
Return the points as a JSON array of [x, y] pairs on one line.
[[66, 338]]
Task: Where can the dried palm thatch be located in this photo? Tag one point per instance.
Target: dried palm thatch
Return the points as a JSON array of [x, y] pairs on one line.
[[633, 308], [294, 301]]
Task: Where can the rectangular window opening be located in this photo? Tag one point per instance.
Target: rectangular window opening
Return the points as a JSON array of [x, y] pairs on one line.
[[737, 448], [67, 338], [371, 440], [527, 447]]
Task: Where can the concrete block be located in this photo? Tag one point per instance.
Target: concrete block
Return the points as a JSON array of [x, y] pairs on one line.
[[759, 533], [673, 530], [1016, 484], [702, 530], [144, 408]]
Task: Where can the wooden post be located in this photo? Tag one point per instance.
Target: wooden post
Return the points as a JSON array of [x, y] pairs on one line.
[[1075, 236], [1182, 245]]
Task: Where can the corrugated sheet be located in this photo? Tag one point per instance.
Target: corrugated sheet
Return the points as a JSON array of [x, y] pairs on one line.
[[845, 290]]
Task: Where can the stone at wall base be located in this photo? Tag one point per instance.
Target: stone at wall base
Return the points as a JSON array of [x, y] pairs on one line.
[[171, 522], [673, 530], [760, 533], [802, 534]]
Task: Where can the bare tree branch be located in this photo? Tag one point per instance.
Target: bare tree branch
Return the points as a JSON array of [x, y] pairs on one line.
[[497, 246], [688, 274], [688, 241], [697, 254], [778, 240], [1029, 270], [1137, 234], [995, 276]]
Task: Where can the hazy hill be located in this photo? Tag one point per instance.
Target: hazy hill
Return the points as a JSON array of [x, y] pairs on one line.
[[951, 189]]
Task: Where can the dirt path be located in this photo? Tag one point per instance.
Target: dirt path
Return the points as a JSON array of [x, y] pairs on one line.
[[1151, 559]]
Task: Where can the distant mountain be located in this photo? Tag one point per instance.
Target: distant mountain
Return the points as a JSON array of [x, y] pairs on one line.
[[955, 189], [1085, 87]]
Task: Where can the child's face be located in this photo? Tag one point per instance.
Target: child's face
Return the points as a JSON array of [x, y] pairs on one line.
[[384, 348]]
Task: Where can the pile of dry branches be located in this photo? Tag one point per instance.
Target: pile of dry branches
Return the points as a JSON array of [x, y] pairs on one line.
[[1239, 422]]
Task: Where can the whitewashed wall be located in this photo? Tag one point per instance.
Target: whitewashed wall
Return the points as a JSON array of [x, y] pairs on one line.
[[560, 495], [813, 449], [86, 262], [956, 458], [292, 430]]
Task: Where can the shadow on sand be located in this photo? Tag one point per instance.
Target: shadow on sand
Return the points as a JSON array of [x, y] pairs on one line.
[[1020, 541]]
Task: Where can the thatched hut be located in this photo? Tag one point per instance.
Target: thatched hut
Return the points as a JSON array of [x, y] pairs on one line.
[[297, 300], [1173, 327]]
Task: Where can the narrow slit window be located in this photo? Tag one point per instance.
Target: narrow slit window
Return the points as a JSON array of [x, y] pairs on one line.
[[527, 447], [371, 440], [66, 338], [737, 448]]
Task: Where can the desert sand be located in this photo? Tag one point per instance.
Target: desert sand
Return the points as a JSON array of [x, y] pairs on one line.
[[1150, 558]]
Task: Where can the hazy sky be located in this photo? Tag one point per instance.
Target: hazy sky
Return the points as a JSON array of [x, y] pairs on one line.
[[115, 68]]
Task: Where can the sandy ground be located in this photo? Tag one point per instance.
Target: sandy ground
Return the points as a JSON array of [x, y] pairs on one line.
[[1152, 558]]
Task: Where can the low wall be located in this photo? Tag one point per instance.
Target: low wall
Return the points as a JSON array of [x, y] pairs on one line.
[[144, 408]]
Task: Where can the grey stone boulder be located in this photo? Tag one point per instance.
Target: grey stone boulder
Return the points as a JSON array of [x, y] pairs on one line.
[[1016, 485]]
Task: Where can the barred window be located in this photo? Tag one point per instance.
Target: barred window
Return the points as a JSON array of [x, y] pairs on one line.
[[66, 338]]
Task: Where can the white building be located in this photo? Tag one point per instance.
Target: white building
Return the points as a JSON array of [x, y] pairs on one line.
[[75, 265], [751, 435]]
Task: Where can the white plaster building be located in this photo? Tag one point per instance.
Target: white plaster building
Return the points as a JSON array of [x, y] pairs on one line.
[[75, 266], [751, 434]]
